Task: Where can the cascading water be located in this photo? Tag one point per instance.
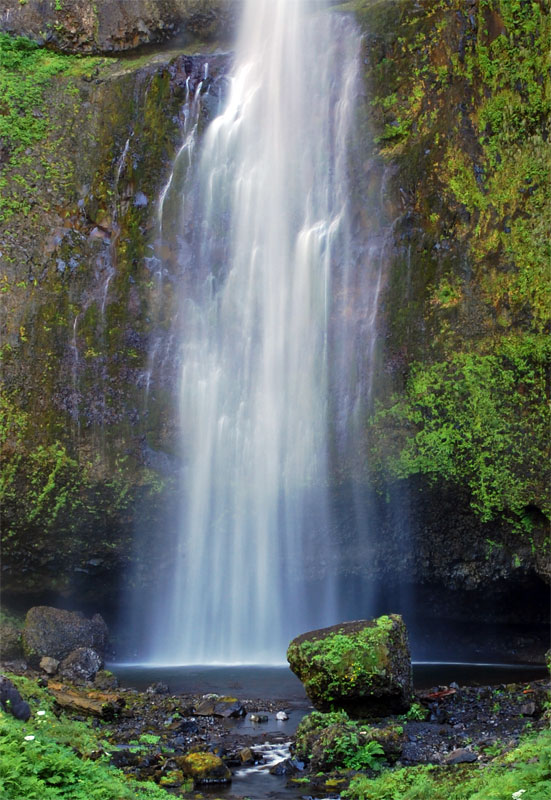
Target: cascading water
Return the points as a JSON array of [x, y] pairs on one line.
[[266, 271]]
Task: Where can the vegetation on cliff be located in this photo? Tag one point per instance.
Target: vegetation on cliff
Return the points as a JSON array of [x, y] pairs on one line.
[[459, 104], [72, 278], [462, 107]]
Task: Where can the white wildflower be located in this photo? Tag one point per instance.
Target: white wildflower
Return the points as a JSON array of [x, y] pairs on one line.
[[40, 713], [29, 738], [518, 795]]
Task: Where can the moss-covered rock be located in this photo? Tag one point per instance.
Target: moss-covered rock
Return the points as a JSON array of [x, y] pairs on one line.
[[362, 667], [204, 768], [56, 633]]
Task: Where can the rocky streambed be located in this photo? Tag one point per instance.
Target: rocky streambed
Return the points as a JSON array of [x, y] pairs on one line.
[[239, 748], [258, 732]]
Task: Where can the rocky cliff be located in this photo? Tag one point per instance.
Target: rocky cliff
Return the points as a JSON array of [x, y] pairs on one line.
[[452, 143], [108, 26]]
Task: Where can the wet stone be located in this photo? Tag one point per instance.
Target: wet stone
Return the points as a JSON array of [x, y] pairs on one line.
[[461, 756], [49, 665]]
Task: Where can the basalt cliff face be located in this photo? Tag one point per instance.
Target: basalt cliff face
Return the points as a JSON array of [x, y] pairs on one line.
[[451, 148], [109, 26]]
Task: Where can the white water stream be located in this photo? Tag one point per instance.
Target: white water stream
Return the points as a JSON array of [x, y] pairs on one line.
[[268, 272]]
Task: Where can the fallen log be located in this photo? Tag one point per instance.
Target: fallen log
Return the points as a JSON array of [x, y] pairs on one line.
[[98, 704]]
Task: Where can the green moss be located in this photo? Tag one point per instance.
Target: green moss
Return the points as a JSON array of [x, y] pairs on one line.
[[52, 502], [461, 108], [334, 741], [204, 768]]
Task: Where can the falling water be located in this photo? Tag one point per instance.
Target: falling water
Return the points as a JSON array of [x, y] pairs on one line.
[[269, 244]]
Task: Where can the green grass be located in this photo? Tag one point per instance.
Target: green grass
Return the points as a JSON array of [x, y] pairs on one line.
[[50, 757], [522, 774]]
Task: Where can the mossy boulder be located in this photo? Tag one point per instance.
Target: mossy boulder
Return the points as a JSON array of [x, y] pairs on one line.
[[55, 632], [204, 768], [363, 667]]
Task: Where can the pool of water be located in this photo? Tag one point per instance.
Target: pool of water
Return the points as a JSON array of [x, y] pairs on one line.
[[279, 683], [243, 682]]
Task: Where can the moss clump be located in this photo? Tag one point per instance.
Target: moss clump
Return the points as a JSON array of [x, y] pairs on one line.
[[362, 667], [25, 71], [204, 768]]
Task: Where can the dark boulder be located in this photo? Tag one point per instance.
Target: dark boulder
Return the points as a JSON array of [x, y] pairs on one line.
[[461, 756], [55, 632], [81, 665], [12, 702], [363, 667]]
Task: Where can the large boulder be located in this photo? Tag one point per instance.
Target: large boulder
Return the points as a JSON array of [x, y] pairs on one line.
[[85, 26], [363, 667], [55, 632]]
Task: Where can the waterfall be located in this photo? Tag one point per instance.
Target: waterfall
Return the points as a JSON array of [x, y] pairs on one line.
[[265, 266]]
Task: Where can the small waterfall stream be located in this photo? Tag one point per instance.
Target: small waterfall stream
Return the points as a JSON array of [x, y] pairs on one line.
[[267, 262]]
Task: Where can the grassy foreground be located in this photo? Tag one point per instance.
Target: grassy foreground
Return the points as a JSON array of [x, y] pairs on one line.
[[523, 773], [53, 756]]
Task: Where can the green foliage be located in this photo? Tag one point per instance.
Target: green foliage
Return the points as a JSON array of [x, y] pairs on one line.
[[417, 712], [311, 725], [479, 420], [359, 756], [50, 757], [523, 772], [149, 738], [333, 740]]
